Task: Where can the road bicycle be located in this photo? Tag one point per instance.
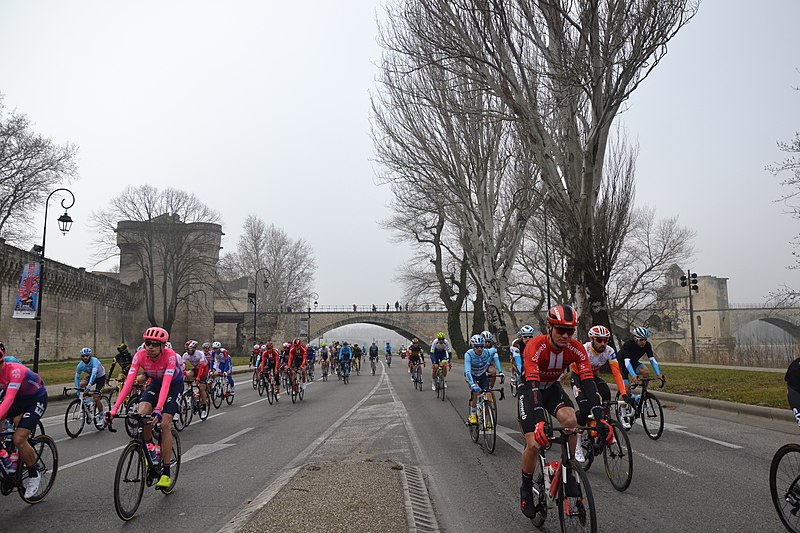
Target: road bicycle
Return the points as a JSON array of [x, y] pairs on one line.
[[344, 373], [190, 404], [389, 360], [221, 390], [357, 365], [439, 382], [255, 378], [139, 466], [563, 484], [296, 388], [648, 408], [486, 414], [82, 411], [416, 375], [784, 485], [325, 370], [310, 371], [514, 381], [266, 383], [617, 456], [46, 463], [373, 363]]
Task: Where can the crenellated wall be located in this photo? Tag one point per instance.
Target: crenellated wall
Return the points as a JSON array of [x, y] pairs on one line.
[[80, 309]]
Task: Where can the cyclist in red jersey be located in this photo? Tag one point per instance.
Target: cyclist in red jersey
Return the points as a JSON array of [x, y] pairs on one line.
[[297, 358], [270, 362], [545, 358]]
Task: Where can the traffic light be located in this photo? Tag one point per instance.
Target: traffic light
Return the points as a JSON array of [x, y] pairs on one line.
[[691, 281]]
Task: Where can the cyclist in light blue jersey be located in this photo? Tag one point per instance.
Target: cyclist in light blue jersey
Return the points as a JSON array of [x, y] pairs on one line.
[[478, 371], [97, 378]]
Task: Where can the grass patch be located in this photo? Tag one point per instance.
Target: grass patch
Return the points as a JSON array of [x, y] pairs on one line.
[[767, 389], [64, 371]]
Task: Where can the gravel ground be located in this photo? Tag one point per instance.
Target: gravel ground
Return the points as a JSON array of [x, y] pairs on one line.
[[354, 496]]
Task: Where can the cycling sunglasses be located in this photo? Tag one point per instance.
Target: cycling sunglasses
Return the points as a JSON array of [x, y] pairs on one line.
[[564, 331], [152, 343]]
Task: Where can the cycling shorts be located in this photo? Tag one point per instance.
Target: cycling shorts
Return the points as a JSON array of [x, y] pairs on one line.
[[98, 384], [552, 398], [225, 366], [602, 387], [31, 408], [624, 369], [438, 357], [482, 380], [201, 373], [150, 395]]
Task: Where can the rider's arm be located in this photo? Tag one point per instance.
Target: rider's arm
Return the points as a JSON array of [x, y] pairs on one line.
[[629, 366], [497, 363], [655, 365], [95, 368], [14, 384], [166, 381], [614, 365], [78, 375], [468, 368], [517, 356], [113, 366], [126, 388]]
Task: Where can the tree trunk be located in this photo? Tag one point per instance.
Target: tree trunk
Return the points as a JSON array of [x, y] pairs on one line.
[[478, 313]]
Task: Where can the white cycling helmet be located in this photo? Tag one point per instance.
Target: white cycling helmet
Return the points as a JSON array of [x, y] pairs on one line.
[[216, 345], [477, 340], [487, 336], [256, 346], [600, 332]]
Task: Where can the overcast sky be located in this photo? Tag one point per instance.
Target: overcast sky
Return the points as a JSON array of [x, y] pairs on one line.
[[262, 107]]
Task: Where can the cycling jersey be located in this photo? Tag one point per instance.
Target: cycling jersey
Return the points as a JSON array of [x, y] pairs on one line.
[[269, 359], [221, 360], [93, 367], [163, 368], [388, 349], [599, 359], [19, 383], [297, 356], [440, 352], [345, 353], [123, 360], [373, 351], [311, 354], [324, 353], [476, 365], [414, 353], [195, 359], [631, 352], [11, 359]]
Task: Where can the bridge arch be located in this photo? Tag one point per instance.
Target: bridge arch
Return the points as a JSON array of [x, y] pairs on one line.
[[403, 330], [671, 350], [784, 324]]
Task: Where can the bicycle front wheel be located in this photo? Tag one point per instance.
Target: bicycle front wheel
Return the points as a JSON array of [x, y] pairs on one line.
[[187, 412], [784, 485], [475, 429], [255, 379], [576, 510], [217, 396], [261, 387], [74, 418], [652, 416], [228, 395], [106, 402], [489, 433], [46, 464], [618, 458], [129, 481], [174, 463]]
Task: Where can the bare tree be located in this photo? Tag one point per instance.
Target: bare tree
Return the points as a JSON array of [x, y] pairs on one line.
[[31, 166], [288, 265], [169, 238], [564, 70], [444, 136]]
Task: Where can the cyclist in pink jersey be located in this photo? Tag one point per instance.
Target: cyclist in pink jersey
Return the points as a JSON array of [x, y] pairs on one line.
[[160, 364], [25, 402]]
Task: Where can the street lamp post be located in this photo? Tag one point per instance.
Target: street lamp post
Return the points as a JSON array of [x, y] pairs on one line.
[[255, 300], [315, 297], [64, 224]]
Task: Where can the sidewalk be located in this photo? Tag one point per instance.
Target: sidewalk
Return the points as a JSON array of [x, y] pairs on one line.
[[55, 393], [727, 367]]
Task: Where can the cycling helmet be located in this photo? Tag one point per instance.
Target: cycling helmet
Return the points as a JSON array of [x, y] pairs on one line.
[[440, 335], [415, 340], [641, 333], [156, 334], [323, 344], [297, 342], [256, 346], [286, 344], [191, 345], [487, 336], [216, 345], [526, 331], [168, 345], [86, 352], [600, 332], [268, 346], [263, 346], [122, 347], [345, 343], [477, 341], [563, 316], [206, 345]]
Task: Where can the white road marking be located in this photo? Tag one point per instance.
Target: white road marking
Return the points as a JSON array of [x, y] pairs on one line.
[[504, 433], [91, 458], [665, 465], [199, 450], [679, 429]]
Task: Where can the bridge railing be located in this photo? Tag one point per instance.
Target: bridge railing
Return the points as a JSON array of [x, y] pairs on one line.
[[374, 308]]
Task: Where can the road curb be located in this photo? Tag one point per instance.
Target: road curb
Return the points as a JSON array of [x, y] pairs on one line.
[[771, 413]]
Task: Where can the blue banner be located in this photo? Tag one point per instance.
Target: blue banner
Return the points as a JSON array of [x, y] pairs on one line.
[[28, 293]]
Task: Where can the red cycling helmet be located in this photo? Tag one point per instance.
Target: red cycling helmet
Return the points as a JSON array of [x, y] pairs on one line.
[[191, 345], [269, 346], [562, 316], [297, 342], [156, 334], [600, 332]]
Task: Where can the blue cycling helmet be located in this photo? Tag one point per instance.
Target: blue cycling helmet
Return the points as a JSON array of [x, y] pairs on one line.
[[477, 340], [86, 351], [641, 333]]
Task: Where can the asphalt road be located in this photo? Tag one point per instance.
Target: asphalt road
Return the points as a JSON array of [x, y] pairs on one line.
[[708, 472]]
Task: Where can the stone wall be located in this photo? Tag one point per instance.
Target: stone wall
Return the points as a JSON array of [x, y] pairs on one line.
[[80, 309]]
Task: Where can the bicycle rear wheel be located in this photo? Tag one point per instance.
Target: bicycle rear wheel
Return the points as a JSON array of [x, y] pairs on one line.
[[255, 378], [188, 411], [489, 433], [576, 510], [618, 413], [540, 496], [106, 401], [652, 416], [129, 481], [74, 418], [261, 387], [784, 485], [46, 464], [585, 441], [618, 458], [174, 463], [229, 396]]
